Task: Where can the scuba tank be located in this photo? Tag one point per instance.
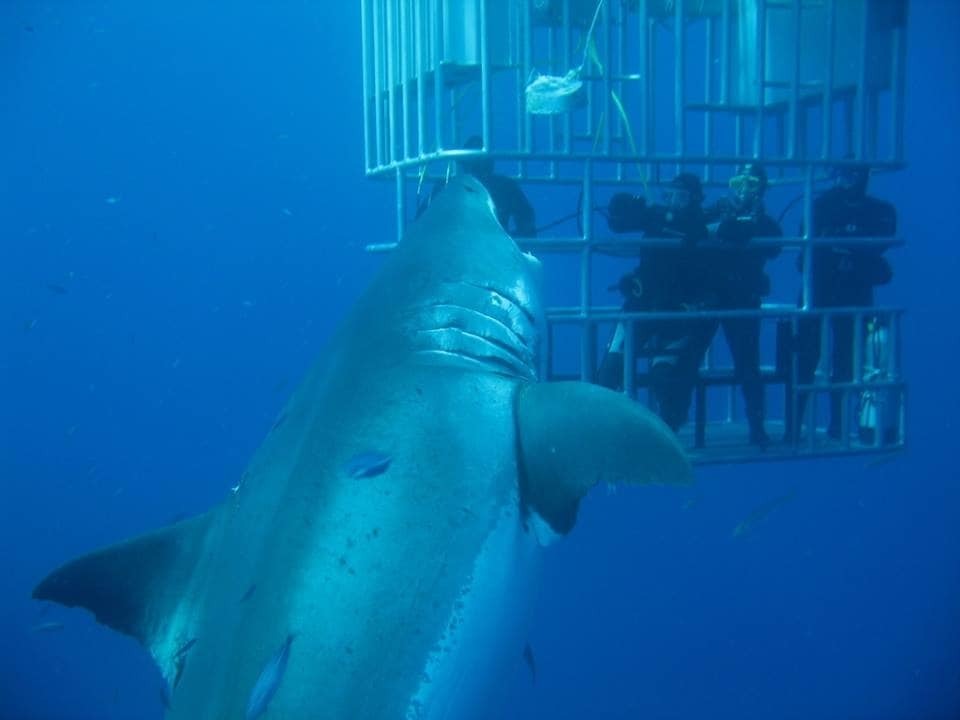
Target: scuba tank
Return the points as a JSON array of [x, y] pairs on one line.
[[610, 373], [877, 407]]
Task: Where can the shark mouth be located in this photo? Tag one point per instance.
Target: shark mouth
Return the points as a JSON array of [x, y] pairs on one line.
[[478, 326]]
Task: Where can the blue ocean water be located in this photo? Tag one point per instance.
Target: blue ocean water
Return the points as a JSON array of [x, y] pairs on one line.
[[183, 209]]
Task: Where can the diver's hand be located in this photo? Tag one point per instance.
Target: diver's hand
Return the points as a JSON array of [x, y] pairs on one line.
[[630, 286]]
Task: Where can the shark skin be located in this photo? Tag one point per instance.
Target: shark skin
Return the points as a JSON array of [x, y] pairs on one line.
[[405, 589]]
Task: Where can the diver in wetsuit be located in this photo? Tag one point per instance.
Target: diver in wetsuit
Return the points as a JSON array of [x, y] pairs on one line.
[[667, 279], [843, 276], [735, 268]]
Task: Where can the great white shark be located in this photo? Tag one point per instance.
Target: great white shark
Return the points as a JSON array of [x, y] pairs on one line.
[[397, 593]]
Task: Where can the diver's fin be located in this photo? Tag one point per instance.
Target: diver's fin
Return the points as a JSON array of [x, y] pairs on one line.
[[135, 586], [573, 435]]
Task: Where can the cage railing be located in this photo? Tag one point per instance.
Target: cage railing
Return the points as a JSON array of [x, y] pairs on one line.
[[777, 79], [875, 376]]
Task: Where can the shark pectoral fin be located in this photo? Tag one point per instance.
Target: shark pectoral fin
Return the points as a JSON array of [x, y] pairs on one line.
[[135, 586], [573, 435]]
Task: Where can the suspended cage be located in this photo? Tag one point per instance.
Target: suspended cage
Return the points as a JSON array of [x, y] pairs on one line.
[[579, 99]]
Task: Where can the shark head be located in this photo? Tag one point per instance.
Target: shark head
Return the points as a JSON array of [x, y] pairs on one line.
[[459, 291]]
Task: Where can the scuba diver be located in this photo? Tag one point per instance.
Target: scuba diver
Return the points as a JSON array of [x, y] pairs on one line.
[[738, 282], [514, 211], [668, 278], [843, 276]]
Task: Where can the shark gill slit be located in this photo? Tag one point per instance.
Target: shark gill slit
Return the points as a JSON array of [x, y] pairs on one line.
[[518, 335], [501, 358]]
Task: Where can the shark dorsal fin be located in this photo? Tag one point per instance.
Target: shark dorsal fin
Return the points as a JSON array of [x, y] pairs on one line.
[[573, 435], [134, 586]]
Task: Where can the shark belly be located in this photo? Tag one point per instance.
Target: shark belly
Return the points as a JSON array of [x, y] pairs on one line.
[[485, 632]]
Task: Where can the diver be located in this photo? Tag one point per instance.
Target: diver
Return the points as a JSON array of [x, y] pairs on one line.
[[843, 276], [514, 211], [668, 278], [738, 282]]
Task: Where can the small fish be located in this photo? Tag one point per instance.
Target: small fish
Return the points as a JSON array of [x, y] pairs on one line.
[[47, 627], [249, 593], [286, 211], [179, 665], [531, 662], [367, 464], [761, 514], [29, 325], [280, 421], [269, 681], [112, 200], [56, 289], [185, 648]]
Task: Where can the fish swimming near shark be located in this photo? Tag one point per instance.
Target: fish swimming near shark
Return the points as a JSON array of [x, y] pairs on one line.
[[50, 626], [269, 681], [407, 590], [531, 662], [761, 513]]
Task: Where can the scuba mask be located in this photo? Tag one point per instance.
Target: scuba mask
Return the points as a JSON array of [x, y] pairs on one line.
[[746, 188]]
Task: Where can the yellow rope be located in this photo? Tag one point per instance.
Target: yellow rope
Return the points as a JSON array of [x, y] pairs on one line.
[[633, 145]]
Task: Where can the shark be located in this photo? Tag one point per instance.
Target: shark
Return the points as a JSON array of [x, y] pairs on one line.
[[393, 522]]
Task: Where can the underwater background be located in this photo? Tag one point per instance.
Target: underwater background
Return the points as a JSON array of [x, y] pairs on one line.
[[182, 218]]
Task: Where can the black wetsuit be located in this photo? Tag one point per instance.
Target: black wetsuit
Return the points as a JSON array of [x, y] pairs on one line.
[[843, 276], [738, 282], [667, 279]]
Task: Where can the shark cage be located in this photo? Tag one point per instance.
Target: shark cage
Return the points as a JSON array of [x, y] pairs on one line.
[[579, 99]]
